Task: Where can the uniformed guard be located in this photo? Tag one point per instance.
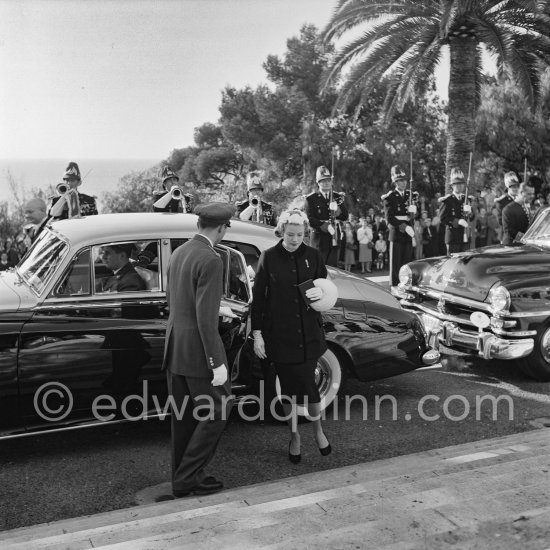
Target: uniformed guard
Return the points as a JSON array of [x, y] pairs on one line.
[[171, 198], [455, 213], [254, 208], [511, 182], [70, 203], [325, 208], [399, 213]]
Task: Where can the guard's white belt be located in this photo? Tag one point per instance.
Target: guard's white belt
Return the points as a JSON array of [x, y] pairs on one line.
[[402, 218]]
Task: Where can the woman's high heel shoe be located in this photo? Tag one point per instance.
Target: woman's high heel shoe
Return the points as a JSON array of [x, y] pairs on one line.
[[325, 451], [295, 459]]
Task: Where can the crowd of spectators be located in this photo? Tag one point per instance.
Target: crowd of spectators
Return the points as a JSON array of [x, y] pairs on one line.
[[365, 244]]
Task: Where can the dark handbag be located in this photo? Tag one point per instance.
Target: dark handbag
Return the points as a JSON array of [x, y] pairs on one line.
[[370, 244], [351, 246]]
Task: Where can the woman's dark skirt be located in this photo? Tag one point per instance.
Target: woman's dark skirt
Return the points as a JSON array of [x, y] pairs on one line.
[[298, 381]]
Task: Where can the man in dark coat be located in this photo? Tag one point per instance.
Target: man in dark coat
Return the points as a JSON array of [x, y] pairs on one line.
[[194, 356], [254, 208], [517, 216], [511, 182], [70, 203], [398, 216], [325, 208], [125, 278], [171, 198], [455, 214]]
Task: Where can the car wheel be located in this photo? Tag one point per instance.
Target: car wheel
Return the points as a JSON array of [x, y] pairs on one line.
[[537, 365], [329, 378]]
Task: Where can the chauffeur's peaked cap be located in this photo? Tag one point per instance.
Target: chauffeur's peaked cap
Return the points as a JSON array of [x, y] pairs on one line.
[[216, 213]]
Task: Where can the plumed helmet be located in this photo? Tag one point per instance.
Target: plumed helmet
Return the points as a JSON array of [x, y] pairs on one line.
[[510, 179], [72, 172], [397, 174], [330, 295], [457, 176], [323, 173], [167, 173], [253, 181]]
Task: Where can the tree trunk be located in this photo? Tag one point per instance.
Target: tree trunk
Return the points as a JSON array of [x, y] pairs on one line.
[[462, 104]]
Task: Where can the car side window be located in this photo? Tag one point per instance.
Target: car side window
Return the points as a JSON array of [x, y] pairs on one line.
[[76, 280], [119, 267]]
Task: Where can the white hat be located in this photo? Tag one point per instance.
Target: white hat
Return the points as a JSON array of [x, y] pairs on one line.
[[329, 297], [323, 173], [253, 181]]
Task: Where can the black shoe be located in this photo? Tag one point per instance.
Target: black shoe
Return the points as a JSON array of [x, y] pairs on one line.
[[295, 459], [207, 486], [325, 451]]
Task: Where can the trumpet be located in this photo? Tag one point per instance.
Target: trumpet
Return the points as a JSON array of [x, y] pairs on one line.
[[62, 188], [255, 202], [176, 192]]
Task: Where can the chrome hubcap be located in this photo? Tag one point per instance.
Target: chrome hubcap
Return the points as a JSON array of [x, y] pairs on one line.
[[545, 345]]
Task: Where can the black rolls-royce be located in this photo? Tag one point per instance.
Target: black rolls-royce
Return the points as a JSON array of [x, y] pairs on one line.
[[75, 352], [494, 301]]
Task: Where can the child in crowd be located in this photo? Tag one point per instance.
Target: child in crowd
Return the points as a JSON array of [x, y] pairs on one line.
[[380, 247]]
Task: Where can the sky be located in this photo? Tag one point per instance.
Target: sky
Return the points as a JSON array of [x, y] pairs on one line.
[[131, 78]]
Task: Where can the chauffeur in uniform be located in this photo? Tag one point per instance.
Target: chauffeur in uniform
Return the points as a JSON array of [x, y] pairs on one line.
[[398, 216], [194, 356], [125, 278], [511, 182], [455, 214], [254, 208], [164, 203], [73, 204], [323, 215]]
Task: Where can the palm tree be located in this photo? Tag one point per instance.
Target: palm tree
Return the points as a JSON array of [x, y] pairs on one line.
[[403, 41]]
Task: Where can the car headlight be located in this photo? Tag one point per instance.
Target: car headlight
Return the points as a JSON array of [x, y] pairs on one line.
[[499, 298], [405, 276]]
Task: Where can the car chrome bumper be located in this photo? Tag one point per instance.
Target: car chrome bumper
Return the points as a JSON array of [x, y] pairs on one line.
[[487, 344]]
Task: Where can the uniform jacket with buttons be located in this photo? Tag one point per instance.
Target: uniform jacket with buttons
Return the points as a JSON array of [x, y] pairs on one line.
[[174, 206], [292, 331], [317, 211], [268, 216], [450, 212], [88, 206], [195, 284], [397, 216]]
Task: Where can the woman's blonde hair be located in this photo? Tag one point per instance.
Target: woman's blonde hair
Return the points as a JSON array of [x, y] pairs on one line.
[[292, 216]]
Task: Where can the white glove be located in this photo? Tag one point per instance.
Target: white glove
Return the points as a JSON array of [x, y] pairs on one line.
[[331, 229], [226, 314], [219, 375], [411, 209], [259, 346], [314, 293], [250, 272], [467, 208], [463, 223], [409, 231], [333, 206]]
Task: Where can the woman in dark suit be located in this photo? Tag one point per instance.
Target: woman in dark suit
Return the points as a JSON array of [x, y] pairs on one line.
[[287, 332]]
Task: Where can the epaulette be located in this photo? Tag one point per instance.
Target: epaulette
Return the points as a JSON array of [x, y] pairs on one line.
[[441, 199], [311, 194], [384, 197], [240, 203], [502, 197], [91, 197]]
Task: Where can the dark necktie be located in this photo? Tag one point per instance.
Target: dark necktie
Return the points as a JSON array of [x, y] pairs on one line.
[[527, 211]]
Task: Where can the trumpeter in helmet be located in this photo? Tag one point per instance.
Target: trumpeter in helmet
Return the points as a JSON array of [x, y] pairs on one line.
[[254, 208]]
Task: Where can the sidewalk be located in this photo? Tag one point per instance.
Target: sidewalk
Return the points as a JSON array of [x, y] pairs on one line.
[[486, 494]]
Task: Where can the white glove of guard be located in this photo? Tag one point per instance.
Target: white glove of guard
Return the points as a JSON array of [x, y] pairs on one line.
[[467, 208], [226, 314], [411, 209], [333, 206], [259, 346], [331, 229], [219, 375], [463, 223], [409, 231], [314, 293]]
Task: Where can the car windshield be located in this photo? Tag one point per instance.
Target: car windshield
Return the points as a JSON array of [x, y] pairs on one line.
[[539, 231], [41, 261]]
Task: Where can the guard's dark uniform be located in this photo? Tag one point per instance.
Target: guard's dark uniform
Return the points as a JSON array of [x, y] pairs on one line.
[[88, 206], [398, 218], [450, 212], [266, 213], [317, 210]]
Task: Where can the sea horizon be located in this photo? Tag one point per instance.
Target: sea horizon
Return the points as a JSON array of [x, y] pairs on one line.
[[98, 174]]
